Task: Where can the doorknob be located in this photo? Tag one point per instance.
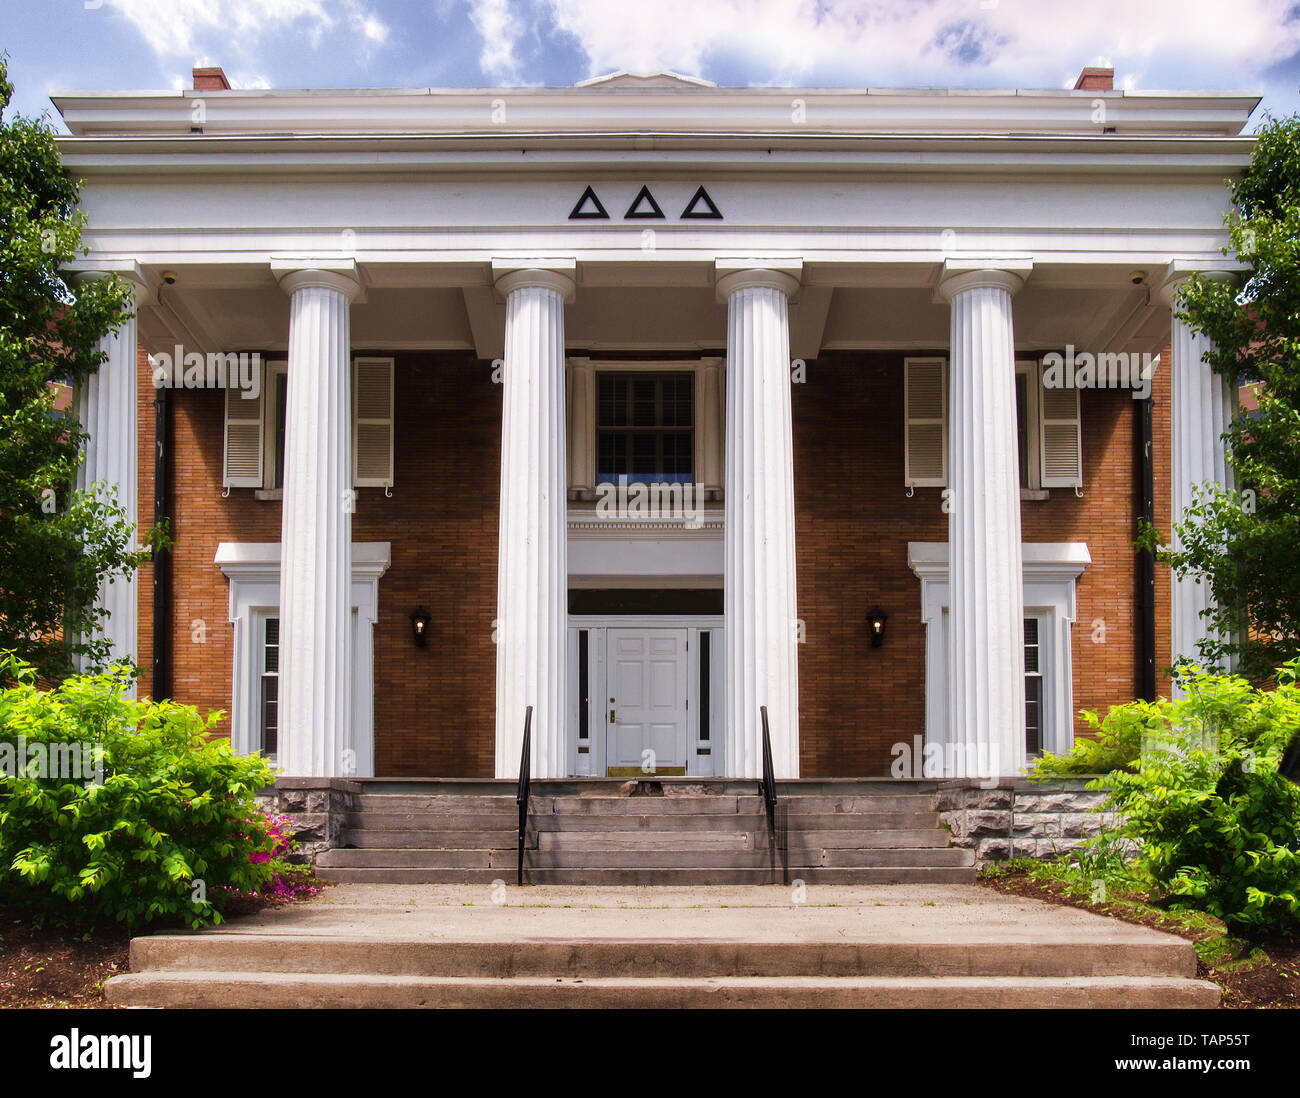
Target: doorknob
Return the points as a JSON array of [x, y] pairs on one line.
[[611, 717]]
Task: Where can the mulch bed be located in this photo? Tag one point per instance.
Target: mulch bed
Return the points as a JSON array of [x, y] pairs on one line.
[[1274, 984], [62, 968]]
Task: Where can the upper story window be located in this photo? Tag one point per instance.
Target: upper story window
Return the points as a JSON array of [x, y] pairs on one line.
[[645, 427]]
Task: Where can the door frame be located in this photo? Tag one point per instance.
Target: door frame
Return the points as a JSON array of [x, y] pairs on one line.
[[591, 763]]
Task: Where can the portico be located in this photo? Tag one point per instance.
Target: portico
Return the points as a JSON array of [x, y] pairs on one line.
[[840, 369]]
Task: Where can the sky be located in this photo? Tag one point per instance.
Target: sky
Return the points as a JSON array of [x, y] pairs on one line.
[[67, 45]]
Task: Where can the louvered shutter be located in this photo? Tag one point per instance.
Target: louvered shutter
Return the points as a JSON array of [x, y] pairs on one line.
[[242, 467], [1059, 437], [925, 428], [372, 423]]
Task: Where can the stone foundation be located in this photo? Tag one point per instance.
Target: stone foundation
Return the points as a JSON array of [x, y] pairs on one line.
[[1017, 818], [316, 806]]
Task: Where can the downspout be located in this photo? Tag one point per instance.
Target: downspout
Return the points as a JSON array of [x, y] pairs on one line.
[[161, 557], [1147, 557]]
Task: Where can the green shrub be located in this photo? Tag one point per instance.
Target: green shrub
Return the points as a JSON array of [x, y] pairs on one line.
[[1217, 826], [1116, 745], [167, 824]]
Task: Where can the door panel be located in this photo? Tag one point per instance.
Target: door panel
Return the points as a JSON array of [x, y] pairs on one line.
[[649, 683]]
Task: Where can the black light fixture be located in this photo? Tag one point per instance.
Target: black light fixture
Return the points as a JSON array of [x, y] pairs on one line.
[[876, 618], [420, 626], [1289, 767]]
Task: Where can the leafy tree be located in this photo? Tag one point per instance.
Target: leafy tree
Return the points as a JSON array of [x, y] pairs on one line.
[[1246, 545], [56, 544]]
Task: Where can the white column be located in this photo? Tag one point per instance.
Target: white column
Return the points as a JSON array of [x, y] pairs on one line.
[[762, 665], [316, 733], [986, 692], [106, 408], [532, 568], [1203, 404]]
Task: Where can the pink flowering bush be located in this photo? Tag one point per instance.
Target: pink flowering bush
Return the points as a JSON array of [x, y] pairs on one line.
[[286, 880]]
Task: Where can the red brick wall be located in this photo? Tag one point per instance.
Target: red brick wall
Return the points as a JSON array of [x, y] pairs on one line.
[[433, 707], [854, 520]]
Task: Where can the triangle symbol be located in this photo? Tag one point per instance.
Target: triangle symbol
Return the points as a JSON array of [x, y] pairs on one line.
[[692, 207], [597, 211], [644, 195]]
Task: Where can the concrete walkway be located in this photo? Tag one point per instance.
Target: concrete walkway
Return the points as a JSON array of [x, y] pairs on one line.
[[848, 945]]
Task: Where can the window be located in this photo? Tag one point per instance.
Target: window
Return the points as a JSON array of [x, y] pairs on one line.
[[270, 687], [1033, 687], [1048, 436], [255, 429], [645, 427]]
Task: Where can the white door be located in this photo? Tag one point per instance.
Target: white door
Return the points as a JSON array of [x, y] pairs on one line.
[[646, 718]]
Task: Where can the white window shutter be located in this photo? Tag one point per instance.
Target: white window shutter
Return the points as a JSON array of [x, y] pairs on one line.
[[925, 427], [372, 423], [1060, 437], [242, 467]]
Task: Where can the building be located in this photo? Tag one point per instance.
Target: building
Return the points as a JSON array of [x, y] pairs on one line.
[[648, 403]]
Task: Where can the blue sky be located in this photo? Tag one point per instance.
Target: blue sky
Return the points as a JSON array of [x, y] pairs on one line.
[[1248, 45]]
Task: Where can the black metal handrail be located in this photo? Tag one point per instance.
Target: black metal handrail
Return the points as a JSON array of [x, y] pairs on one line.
[[769, 798], [525, 787]]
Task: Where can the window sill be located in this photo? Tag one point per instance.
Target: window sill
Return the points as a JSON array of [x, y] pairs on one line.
[[1034, 494], [269, 493]]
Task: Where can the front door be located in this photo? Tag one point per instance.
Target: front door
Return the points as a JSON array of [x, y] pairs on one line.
[[648, 684]]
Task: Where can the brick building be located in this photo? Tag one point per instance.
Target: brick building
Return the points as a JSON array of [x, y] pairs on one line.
[[647, 403]]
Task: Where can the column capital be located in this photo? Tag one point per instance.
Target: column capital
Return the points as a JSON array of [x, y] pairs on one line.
[[1180, 271], [128, 270], [549, 273], [330, 273], [1005, 273], [733, 274]]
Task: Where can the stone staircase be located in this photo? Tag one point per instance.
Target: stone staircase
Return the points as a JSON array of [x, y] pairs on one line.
[[946, 946], [669, 831]]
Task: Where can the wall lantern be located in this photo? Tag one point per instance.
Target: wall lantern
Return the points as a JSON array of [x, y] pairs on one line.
[[420, 626], [876, 618]]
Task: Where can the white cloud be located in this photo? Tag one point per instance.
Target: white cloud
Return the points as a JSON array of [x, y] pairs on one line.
[[500, 32], [1179, 43], [176, 27]]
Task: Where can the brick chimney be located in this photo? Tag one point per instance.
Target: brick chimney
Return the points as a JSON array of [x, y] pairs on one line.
[[1101, 80], [214, 79]]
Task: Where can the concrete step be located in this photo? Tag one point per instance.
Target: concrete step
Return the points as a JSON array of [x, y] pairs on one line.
[[405, 858], [647, 806], [219, 951], [364, 837], [574, 823], [481, 820], [640, 875], [202, 988], [586, 841], [444, 802]]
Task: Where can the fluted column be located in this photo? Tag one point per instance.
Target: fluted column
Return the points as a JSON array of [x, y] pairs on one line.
[[986, 689], [532, 568], [762, 664], [316, 733], [1203, 404], [106, 409]]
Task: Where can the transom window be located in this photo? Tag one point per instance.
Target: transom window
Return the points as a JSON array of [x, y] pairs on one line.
[[645, 427]]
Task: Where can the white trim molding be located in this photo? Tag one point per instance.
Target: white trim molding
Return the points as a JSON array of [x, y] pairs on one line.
[[1050, 571], [253, 569]]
